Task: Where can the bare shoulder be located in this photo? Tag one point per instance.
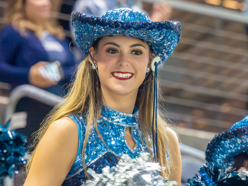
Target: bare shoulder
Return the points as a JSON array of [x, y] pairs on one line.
[[171, 134], [174, 148], [55, 154], [64, 125], [62, 132]]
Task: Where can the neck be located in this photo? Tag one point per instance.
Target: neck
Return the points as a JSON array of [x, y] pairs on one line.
[[121, 103], [41, 24]]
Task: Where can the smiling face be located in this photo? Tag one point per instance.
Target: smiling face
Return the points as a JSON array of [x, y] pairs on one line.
[[122, 63]]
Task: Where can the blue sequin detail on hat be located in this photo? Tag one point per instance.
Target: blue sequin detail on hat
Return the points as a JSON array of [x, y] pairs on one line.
[[161, 36], [112, 127], [223, 147], [242, 123], [220, 154]]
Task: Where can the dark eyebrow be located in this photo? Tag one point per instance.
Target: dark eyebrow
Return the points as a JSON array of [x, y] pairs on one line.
[[137, 45], [111, 43]]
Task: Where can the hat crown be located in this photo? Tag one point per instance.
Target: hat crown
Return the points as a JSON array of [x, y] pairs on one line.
[[242, 123], [126, 14]]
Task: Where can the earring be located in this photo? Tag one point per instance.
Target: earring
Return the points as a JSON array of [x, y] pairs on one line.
[[155, 60], [147, 70], [94, 66]]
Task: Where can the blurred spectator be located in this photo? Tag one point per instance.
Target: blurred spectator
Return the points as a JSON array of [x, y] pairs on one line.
[[99, 7], [30, 40], [158, 11]]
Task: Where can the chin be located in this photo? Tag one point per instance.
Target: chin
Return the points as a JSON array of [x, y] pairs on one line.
[[120, 90]]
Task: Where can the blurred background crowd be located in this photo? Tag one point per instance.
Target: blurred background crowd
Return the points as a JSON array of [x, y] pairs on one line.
[[203, 82]]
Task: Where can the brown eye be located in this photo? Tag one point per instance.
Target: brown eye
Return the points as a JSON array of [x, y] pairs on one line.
[[137, 52], [112, 51]]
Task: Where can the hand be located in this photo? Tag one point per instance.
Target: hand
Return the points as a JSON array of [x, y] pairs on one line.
[[161, 12], [37, 79]]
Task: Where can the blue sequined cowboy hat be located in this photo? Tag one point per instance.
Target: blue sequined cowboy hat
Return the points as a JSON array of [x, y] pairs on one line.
[[163, 37], [220, 157], [225, 146]]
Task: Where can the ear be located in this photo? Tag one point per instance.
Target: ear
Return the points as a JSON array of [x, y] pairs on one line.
[[152, 56], [92, 52]]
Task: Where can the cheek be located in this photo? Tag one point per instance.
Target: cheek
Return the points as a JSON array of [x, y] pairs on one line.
[[141, 65], [105, 62], [141, 72]]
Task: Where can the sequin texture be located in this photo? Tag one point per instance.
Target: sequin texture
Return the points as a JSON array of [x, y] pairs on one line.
[[220, 155], [161, 36], [100, 153], [12, 151], [242, 123], [223, 147]]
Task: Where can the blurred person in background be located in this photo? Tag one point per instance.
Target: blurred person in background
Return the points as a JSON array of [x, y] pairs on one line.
[[160, 11], [30, 41]]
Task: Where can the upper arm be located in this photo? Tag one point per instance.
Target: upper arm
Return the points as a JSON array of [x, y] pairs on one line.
[[10, 43], [10, 40], [175, 156], [55, 154]]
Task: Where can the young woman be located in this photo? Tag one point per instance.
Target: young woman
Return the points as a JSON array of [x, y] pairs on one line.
[[108, 111]]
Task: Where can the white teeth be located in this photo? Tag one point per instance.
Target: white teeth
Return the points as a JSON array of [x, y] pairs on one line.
[[121, 75]]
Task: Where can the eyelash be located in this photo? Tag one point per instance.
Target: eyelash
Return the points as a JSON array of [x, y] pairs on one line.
[[135, 51], [110, 50]]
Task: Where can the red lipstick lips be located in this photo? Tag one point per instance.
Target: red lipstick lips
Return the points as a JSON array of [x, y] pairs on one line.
[[122, 75]]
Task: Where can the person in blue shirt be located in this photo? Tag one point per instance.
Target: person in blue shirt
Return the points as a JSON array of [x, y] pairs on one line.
[[30, 40]]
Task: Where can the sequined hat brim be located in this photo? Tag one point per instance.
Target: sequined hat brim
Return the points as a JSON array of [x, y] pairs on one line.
[[163, 37], [224, 147]]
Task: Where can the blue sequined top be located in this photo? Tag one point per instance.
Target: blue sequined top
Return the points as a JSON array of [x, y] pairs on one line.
[[112, 127]]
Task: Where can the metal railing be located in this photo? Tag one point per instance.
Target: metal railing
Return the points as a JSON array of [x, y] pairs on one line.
[[30, 92], [193, 152]]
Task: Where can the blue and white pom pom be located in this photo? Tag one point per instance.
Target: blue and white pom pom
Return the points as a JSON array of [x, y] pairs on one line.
[[12, 150], [130, 172]]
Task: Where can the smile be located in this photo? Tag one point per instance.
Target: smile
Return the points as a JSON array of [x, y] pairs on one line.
[[122, 75]]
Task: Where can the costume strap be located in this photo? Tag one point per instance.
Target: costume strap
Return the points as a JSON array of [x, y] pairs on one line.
[[155, 114]]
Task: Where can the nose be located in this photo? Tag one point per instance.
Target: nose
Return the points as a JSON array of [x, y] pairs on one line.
[[123, 60]]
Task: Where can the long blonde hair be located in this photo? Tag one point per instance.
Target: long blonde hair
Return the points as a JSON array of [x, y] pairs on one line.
[[15, 15], [85, 96]]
